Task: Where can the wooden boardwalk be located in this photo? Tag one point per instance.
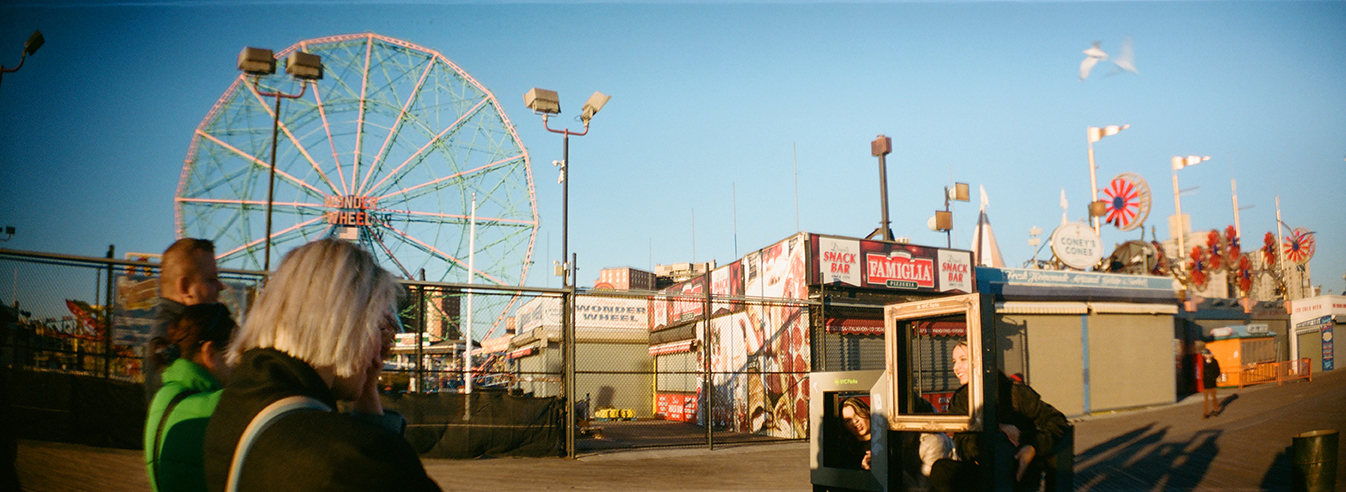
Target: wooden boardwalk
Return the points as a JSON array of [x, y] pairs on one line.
[[1162, 448]]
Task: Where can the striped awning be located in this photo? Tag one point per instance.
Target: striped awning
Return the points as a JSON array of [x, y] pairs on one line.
[[1132, 308], [1022, 307], [672, 348]]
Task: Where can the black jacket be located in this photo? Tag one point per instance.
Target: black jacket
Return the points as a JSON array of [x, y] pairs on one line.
[[306, 450], [1039, 423]]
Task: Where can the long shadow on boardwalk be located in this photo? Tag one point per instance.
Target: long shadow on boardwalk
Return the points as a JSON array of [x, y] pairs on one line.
[[1143, 460]]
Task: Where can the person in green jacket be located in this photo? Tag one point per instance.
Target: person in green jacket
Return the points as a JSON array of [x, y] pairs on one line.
[[192, 355]]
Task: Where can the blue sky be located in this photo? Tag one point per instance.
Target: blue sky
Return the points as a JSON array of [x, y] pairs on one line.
[[709, 100]]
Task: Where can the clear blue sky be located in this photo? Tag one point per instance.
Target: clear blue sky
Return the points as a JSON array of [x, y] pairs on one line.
[[710, 97]]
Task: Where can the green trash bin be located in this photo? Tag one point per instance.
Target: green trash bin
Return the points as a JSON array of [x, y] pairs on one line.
[[1315, 461]]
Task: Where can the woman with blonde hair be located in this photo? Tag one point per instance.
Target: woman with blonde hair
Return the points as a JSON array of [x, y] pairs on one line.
[[316, 335]]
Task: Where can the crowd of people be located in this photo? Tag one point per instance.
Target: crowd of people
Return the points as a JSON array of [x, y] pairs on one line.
[[255, 407]]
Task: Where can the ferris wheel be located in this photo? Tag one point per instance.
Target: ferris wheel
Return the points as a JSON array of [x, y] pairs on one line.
[[387, 150]]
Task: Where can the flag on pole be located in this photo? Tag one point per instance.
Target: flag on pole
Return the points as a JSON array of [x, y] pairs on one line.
[[1096, 133], [1191, 160]]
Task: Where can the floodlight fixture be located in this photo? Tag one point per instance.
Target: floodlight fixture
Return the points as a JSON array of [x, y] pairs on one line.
[[257, 61], [943, 220], [593, 105], [959, 192], [543, 101], [1098, 208], [304, 66], [33, 43]]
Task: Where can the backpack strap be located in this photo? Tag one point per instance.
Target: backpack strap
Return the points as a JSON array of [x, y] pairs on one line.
[[159, 433], [260, 423]]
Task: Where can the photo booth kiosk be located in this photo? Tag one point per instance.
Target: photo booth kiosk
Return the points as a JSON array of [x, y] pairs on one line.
[[903, 398]]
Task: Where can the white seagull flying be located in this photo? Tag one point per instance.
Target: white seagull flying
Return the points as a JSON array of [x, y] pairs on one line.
[[1093, 55]]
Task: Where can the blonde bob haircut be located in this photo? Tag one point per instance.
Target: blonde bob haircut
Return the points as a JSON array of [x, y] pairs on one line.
[[324, 306]]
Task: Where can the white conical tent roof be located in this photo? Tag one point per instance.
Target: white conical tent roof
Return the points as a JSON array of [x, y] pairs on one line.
[[985, 251]]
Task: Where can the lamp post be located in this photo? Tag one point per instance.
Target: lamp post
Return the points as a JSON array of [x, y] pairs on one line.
[[880, 147], [547, 103], [29, 47], [1181, 232], [259, 62], [1095, 134], [943, 219]]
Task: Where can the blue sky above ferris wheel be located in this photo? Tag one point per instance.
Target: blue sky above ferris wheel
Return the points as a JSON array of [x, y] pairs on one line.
[[715, 105]]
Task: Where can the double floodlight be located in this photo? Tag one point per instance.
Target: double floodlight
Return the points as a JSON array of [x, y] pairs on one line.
[[261, 61], [548, 103]]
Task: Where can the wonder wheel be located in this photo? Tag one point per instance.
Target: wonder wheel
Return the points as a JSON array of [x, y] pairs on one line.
[[386, 150]]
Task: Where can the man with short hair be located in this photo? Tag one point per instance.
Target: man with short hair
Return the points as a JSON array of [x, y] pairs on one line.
[[187, 276]]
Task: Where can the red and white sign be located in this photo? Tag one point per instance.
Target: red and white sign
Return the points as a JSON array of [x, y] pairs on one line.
[[839, 260], [677, 407], [955, 271], [900, 270]]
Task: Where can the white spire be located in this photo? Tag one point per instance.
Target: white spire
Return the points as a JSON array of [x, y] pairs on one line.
[[985, 251]]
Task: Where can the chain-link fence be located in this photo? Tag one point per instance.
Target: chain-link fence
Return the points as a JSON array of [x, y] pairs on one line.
[[649, 368]]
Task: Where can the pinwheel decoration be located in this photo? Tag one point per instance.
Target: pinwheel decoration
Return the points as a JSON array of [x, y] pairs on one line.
[[1128, 199], [1299, 246], [1198, 266], [1232, 249], [1216, 245], [1269, 249], [1245, 274]]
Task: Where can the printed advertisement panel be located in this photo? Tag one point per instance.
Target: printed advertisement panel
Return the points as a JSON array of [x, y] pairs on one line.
[[1328, 361], [771, 395], [675, 406], [727, 281], [658, 313]]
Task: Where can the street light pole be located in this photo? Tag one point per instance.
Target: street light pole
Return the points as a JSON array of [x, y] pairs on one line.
[[30, 46], [548, 103], [258, 62]]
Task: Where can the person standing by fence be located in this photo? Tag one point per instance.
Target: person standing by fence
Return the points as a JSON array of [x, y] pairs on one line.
[[1210, 377]]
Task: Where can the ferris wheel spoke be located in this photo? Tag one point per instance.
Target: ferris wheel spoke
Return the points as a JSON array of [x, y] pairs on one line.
[[396, 126], [327, 130], [391, 256], [276, 237], [249, 157], [416, 156], [454, 176], [284, 127], [445, 256], [444, 218], [360, 119]]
